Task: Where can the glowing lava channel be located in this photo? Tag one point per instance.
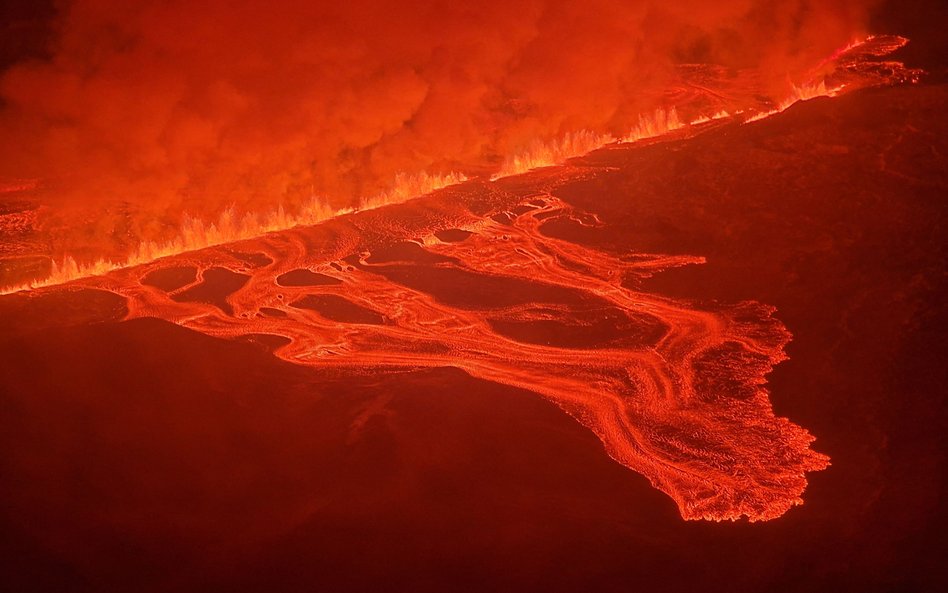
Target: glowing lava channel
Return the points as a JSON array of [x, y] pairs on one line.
[[672, 391]]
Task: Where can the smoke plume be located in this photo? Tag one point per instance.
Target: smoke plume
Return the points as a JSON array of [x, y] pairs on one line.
[[159, 107]]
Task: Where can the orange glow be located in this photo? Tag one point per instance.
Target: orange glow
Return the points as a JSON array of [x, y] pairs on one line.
[[545, 154], [196, 234], [672, 391], [675, 395], [507, 295], [137, 115]]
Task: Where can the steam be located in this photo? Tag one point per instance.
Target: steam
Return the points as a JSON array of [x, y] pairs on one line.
[[148, 110]]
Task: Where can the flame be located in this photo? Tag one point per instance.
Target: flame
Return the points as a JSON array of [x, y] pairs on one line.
[[807, 92], [804, 92], [546, 154], [195, 234], [575, 144], [873, 45], [407, 187], [703, 119], [660, 123]]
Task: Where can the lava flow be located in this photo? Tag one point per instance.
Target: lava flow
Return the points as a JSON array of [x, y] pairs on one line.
[[468, 279]]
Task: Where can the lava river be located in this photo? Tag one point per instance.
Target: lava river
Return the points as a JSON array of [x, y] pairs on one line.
[[467, 278]]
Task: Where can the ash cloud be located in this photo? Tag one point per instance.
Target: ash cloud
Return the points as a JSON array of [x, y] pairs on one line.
[[171, 106]]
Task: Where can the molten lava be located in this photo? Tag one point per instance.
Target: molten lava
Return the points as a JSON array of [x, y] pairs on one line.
[[672, 389]]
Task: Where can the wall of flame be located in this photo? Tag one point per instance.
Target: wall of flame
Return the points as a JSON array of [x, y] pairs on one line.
[[141, 112]]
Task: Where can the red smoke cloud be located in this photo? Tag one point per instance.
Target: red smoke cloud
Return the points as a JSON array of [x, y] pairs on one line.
[[170, 106]]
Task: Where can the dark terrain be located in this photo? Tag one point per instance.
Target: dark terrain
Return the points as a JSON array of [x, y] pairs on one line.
[[141, 455]]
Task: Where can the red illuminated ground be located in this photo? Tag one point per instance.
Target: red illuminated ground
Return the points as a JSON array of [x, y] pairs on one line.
[[469, 280], [157, 448], [493, 278], [709, 360]]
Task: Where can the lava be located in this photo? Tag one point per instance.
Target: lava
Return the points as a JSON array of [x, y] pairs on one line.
[[195, 234], [673, 391], [853, 66]]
